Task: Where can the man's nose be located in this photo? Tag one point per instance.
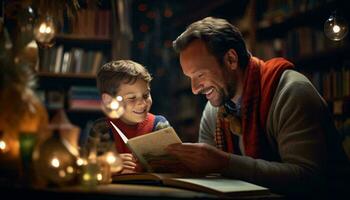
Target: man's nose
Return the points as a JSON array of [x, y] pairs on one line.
[[195, 87]]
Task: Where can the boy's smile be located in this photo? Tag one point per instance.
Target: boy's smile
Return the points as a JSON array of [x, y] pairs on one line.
[[137, 100]]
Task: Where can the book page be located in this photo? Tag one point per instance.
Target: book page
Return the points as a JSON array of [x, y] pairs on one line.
[[149, 149], [211, 184], [217, 185]]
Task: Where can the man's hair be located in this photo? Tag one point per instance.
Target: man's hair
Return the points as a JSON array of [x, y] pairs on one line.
[[111, 75], [218, 35]]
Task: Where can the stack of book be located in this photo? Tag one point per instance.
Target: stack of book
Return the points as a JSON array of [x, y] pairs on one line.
[[84, 98]]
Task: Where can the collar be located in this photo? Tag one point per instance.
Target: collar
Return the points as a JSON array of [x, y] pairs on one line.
[[233, 108]]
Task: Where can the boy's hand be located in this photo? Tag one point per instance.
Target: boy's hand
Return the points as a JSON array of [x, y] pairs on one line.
[[129, 163]]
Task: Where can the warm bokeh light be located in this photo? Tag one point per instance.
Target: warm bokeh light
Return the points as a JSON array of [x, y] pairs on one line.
[[110, 157], [45, 30], [55, 162], [2, 145], [114, 107]]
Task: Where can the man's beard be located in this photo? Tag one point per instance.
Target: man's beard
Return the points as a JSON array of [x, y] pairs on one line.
[[224, 95], [231, 89]]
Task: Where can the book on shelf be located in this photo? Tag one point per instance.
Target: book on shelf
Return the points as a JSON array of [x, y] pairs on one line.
[[84, 98], [212, 184], [149, 149], [55, 99]]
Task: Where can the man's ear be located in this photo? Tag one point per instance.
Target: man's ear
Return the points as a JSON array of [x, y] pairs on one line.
[[231, 59], [106, 98]]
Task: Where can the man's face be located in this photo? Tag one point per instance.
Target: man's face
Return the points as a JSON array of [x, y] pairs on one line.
[[137, 100], [206, 74]]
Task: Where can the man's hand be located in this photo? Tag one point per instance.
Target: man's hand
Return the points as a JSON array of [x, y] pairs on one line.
[[200, 157]]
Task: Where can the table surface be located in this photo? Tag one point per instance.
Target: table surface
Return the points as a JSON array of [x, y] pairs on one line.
[[116, 191]]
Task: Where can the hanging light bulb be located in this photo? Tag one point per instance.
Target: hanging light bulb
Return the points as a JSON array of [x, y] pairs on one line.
[[335, 27], [45, 31], [113, 107]]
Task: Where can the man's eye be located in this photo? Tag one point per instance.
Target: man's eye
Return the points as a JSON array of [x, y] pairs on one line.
[[200, 75]]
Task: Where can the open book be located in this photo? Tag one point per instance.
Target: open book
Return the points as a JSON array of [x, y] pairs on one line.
[[149, 150], [212, 184]]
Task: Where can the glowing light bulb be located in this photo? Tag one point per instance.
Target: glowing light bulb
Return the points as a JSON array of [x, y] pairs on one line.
[[99, 177], [86, 177], [114, 161], [70, 169], [113, 107], [335, 28], [55, 162], [62, 173], [2, 145], [81, 161], [45, 31], [110, 158]]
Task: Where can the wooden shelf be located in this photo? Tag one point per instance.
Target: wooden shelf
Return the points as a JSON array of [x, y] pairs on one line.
[[87, 41], [81, 38], [55, 81], [279, 26], [65, 75], [322, 60]]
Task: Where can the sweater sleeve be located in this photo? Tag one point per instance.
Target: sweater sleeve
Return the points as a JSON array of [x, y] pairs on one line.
[[296, 126], [160, 122], [207, 125]]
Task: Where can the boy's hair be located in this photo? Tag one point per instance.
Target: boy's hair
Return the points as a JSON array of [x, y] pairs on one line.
[[111, 75]]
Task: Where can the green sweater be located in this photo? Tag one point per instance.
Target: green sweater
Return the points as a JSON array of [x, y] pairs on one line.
[[300, 128]]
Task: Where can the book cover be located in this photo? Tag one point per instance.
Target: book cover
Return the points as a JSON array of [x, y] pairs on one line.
[[212, 184], [149, 149]]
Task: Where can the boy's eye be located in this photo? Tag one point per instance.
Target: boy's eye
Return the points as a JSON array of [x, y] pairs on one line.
[[146, 96], [131, 98]]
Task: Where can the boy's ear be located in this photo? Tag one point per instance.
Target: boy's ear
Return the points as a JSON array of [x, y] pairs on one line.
[[106, 98]]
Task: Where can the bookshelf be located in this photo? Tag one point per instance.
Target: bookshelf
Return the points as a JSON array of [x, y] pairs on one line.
[[295, 31], [66, 75]]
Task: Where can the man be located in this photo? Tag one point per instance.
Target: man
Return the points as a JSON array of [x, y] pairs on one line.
[[264, 123]]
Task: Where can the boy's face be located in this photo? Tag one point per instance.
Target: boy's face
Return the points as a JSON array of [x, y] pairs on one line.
[[138, 101]]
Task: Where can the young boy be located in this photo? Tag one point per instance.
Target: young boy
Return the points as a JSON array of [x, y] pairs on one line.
[[131, 81]]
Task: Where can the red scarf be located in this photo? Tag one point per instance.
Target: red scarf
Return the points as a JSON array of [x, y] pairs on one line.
[[259, 88], [131, 131]]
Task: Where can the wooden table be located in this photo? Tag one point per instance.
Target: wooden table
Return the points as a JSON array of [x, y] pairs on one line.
[[114, 191]]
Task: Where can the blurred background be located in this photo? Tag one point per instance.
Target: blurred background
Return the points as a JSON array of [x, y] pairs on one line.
[[90, 33]]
